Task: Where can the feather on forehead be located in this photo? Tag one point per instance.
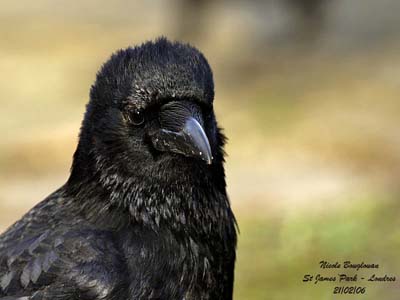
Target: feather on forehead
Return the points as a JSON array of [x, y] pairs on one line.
[[153, 72]]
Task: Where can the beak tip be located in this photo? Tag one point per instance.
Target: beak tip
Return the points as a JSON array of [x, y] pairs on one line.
[[191, 141], [199, 140], [207, 157]]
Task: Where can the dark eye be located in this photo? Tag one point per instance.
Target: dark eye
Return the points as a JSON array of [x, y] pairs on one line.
[[136, 117]]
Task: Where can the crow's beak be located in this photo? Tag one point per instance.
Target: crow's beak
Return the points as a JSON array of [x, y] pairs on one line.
[[190, 141]]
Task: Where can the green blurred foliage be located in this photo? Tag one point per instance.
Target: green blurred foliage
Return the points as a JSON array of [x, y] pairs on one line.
[[274, 255]]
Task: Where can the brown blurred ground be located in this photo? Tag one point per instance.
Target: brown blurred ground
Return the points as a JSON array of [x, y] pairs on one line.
[[312, 119]]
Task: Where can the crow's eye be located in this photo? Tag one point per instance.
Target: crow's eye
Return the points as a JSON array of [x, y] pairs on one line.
[[136, 117]]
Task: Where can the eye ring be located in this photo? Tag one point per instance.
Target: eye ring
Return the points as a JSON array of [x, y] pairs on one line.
[[136, 117]]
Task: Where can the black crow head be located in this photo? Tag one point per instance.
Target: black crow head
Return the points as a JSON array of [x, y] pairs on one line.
[[150, 110]]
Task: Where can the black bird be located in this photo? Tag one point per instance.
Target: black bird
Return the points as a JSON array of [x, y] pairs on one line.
[[145, 213]]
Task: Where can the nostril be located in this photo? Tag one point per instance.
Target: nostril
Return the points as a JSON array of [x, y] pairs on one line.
[[173, 115]]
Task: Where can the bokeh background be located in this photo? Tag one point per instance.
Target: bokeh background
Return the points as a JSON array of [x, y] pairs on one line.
[[307, 91]]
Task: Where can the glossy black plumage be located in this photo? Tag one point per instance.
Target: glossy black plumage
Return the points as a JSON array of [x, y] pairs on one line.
[[144, 214]]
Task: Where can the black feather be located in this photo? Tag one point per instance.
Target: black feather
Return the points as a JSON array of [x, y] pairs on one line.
[[132, 222]]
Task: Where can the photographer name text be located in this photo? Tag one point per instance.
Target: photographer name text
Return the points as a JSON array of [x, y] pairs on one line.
[[348, 275]]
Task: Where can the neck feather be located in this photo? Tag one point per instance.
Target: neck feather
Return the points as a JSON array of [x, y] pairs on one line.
[[193, 199]]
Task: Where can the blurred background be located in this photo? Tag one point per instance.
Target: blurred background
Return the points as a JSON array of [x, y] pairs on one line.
[[308, 94]]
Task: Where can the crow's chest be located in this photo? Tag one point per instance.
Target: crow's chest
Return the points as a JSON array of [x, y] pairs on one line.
[[166, 266]]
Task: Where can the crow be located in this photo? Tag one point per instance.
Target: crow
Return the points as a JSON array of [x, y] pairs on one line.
[[145, 212]]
